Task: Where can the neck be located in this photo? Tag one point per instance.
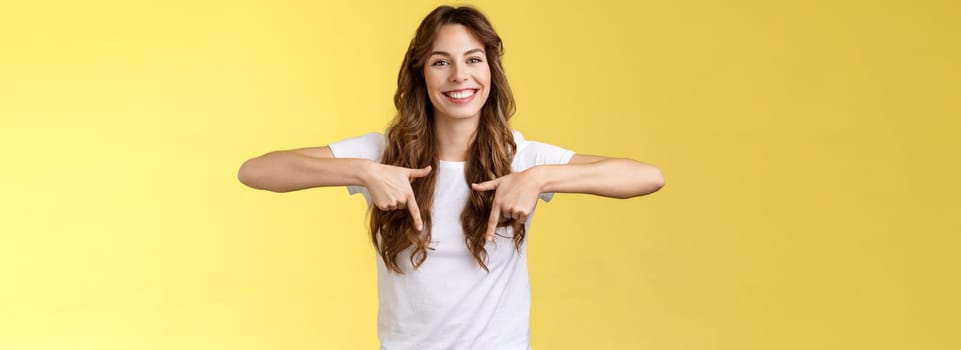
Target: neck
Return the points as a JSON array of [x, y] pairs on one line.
[[454, 136]]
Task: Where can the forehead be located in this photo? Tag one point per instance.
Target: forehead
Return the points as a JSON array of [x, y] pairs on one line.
[[455, 39]]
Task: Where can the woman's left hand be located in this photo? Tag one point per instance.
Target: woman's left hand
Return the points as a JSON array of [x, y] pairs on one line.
[[514, 197]]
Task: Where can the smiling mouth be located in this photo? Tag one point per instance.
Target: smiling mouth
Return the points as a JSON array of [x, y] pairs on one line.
[[460, 94]]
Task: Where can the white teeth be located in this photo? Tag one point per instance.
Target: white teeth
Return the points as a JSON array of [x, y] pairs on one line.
[[461, 94]]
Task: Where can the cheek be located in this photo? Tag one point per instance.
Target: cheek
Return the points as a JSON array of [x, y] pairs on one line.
[[431, 81], [485, 79]]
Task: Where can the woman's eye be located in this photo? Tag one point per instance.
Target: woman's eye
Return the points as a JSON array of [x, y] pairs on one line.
[[474, 60], [439, 63]]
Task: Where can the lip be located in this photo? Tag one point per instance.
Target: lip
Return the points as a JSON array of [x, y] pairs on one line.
[[461, 100], [459, 90]]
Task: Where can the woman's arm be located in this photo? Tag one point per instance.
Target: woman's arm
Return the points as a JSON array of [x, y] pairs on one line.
[[598, 175], [298, 169], [292, 170], [516, 193]]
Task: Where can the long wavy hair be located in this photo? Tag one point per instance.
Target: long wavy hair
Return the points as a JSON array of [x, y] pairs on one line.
[[411, 143]]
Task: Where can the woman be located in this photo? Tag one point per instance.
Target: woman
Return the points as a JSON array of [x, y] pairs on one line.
[[452, 262]]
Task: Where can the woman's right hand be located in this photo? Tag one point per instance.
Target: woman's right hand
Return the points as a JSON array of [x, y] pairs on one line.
[[389, 188]]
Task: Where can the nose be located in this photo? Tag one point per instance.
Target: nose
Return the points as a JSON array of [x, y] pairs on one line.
[[458, 74]]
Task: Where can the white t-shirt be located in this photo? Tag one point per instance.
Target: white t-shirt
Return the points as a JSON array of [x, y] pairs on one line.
[[450, 302]]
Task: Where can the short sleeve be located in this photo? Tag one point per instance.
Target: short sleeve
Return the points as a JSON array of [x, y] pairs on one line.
[[533, 153], [367, 146]]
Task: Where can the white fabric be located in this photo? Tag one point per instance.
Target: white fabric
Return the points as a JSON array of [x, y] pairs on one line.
[[450, 302]]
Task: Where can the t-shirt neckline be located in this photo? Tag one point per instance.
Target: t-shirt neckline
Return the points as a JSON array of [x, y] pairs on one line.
[[450, 164]]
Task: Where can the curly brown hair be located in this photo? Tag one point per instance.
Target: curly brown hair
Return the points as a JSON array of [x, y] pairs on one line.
[[411, 143]]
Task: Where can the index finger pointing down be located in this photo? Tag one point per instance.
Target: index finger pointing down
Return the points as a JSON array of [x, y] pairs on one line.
[[415, 213], [492, 223]]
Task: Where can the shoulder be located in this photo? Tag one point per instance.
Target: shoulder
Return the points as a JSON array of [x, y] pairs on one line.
[[525, 145], [519, 139], [371, 139], [530, 153], [369, 145], [373, 136]]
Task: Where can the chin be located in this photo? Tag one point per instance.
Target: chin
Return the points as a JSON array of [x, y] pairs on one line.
[[462, 114], [458, 112]]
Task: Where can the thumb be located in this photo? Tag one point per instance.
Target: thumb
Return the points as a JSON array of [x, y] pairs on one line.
[[419, 172], [486, 185]]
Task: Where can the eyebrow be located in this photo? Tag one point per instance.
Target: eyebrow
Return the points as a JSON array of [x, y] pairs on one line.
[[444, 53]]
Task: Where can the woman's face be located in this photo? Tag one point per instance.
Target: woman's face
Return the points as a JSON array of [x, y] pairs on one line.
[[457, 75]]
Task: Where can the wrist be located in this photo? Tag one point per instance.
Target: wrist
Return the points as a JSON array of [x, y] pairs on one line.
[[542, 176], [365, 169]]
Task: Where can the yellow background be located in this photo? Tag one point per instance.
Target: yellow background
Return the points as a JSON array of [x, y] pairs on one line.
[[810, 150]]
